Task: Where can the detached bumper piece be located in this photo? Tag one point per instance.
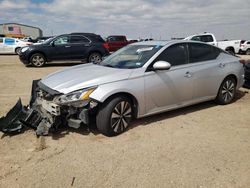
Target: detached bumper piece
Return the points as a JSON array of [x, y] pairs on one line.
[[19, 118]]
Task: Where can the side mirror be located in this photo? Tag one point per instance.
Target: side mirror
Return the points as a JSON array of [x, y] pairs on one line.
[[161, 65]]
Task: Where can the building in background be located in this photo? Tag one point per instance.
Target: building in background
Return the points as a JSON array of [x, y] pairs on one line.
[[20, 30]]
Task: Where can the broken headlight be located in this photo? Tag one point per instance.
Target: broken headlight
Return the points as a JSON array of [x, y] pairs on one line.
[[77, 96]]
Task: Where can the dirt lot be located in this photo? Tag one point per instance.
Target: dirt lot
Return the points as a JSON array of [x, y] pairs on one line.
[[205, 145]]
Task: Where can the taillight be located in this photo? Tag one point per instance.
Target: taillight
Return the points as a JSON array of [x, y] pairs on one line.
[[106, 46], [243, 62]]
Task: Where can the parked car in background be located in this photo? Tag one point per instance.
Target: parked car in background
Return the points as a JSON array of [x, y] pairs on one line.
[[231, 46], [245, 47], [115, 42], [139, 80], [11, 45], [74, 46]]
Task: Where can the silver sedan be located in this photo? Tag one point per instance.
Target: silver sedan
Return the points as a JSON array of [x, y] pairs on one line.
[[138, 80]]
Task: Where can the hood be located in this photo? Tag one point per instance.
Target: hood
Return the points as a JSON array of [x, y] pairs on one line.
[[84, 76]]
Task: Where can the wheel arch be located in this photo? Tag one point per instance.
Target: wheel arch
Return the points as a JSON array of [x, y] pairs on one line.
[[18, 47], [35, 52], [230, 48], [130, 96], [232, 76]]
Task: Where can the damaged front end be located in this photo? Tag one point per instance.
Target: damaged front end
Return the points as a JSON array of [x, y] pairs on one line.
[[48, 109]]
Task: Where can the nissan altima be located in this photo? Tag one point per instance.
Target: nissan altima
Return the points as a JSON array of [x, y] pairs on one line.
[[138, 80]]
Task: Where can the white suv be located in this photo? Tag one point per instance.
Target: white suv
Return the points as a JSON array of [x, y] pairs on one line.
[[245, 47]]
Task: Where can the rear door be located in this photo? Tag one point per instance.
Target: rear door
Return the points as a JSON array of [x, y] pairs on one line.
[[171, 88], [207, 70], [79, 46]]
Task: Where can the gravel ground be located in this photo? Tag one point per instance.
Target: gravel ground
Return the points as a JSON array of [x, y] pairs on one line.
[[205, 145]]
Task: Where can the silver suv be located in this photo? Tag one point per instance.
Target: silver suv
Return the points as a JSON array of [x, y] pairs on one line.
[[139, 80]]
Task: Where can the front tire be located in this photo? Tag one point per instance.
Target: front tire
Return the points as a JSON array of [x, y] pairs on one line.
[[114, 116], [227, 91], [37, 60], [95, 57], [230, 51]]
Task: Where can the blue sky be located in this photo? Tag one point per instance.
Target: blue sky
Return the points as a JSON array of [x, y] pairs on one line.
[[160, 19]]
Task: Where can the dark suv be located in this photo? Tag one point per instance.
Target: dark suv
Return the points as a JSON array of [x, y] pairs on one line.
[[74, 46]]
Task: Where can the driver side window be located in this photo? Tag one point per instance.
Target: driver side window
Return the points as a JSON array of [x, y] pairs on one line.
[[175, 55], [62, 40]]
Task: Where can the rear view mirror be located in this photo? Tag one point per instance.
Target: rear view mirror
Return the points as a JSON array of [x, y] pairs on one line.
[[161, 65]]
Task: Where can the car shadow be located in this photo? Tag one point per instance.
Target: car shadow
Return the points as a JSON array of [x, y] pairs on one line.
[[84, 130], [63, 64], [181, 111], [63, 131]]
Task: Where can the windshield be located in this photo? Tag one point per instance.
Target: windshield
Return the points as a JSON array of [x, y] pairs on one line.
[[131, 56]]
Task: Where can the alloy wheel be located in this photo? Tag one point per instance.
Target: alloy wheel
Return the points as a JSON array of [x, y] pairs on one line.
[[95, 58], [121, 116], [228, 90], [38, 61]]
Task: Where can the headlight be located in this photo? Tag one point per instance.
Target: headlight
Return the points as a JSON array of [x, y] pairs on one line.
[[80, 95], [24, 49]]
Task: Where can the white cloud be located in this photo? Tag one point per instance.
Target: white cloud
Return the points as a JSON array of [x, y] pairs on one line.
[[145, 18]]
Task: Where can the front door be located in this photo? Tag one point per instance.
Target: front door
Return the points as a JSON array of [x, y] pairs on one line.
[[61, 49], [167, 89]]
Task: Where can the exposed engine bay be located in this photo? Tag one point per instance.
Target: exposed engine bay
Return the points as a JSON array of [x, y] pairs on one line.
[[44, 113]]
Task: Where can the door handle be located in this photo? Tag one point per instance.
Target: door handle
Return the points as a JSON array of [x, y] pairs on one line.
[[67, 46], [222, 65], [188, 74]]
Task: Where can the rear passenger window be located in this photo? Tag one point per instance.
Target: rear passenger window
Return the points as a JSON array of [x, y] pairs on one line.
[[248, 42], [78, 39], [175, 55], [202, 52]]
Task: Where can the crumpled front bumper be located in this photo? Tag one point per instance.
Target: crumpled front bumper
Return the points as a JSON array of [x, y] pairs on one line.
[[42, 114]]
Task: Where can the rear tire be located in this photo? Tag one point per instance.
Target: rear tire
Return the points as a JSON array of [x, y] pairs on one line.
[[231, 51], [248, 52], [114, 116], [95, 57], [18, 50], [37, 60], [227, 91]]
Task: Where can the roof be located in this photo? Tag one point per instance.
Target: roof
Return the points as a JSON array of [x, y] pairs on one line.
[[20, 25], [155, 42]]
